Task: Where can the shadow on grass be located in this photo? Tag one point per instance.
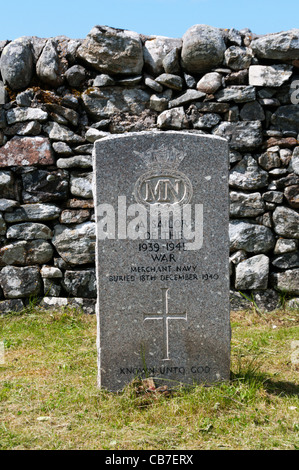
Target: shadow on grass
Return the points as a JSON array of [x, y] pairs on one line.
[[270, 385]]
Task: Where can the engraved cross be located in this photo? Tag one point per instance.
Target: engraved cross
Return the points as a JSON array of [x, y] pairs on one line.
[[165, 316]]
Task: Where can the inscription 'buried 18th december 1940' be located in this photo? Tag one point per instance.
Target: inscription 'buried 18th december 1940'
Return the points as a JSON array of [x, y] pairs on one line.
[[162, 258]]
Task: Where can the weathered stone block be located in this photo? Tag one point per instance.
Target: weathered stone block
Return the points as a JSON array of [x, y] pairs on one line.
[[112, 51], [20, 282], [26, 151], [75, 245]]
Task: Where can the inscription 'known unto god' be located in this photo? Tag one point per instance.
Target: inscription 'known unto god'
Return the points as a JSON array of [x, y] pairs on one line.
[[162, 258]]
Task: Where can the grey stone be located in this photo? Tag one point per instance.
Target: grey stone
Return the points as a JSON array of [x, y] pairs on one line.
[[175, 82], [252, 238], [33, 212], [273, 196], [25, 98], [286, 222], [10, 306], [20, 282], [68, 114], [188, 97], [129, 341], [238, 256], [293, 303], [130, 81], [235, 156], [210, 83], [287, 281], [159, 102], [246, 205], [286, 261], [151, 83], [74, 216], [52, 287], [291, 193], [51, 272], [75, 75], [7, 205], [13, 254], [26, 253], [237, 93], [156, 49], [81, 185], [189, 80], [294, 163], [92, 134], [203, 48], [25, 114], [103, 80], [8, 185], [232, 115], [266, 218], [77, 161], [277, 46], [2, 226], [173, 119], [38, 252], [72, 46], [62, 133], [80, 283], [248, 175], [28, 128], [171, 62], [238, 58], [16, 63], [269, 75], [112, 51], [242, 136], [211, 107], [269, 160], [75, 245], [252, 273], [206, 121], [252, 111], [285, 245], [285, 156], [106, 102], [87, 148], [45, 186], [87, 305], [286, 118], [234, 36], [62, 148], [51, 65], [3, 100], [29, 231]]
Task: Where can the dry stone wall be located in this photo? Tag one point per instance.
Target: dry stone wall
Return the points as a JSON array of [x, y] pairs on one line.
[[60, 95]]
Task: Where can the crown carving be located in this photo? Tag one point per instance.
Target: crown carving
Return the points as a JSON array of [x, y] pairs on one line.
[[161, 157]]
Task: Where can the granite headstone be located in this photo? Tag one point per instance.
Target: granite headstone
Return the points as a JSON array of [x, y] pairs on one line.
[[162, 251]]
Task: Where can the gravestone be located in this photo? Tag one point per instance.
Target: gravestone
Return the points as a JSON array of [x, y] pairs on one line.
[[162, 211]]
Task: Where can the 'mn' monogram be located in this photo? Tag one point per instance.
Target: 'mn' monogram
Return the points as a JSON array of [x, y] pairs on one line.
[[169, 187]]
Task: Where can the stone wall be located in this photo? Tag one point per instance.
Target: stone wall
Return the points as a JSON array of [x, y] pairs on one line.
[[60, 95]]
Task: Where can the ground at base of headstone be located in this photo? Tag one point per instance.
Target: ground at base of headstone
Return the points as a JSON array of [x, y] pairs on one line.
[[49, 397]]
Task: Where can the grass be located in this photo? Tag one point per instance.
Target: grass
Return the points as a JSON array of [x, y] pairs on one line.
[[49, 398]]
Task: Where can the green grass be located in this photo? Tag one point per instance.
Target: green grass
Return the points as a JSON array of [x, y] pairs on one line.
[[49, 398]]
